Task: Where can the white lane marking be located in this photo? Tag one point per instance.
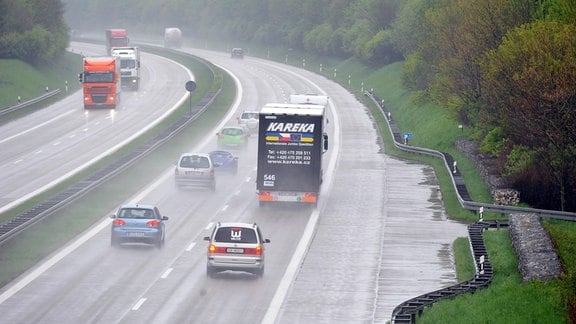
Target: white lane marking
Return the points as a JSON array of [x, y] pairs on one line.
[[18, 161], [111, 150], [190, 247], [139, 304], [209, 226], [297, 258], [224, 208], [52, 261], [166, 273], [36, 127]]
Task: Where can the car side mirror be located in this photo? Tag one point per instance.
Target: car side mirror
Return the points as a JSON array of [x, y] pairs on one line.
[[206, 238], [267, 241], [113, 216], [165, 218]]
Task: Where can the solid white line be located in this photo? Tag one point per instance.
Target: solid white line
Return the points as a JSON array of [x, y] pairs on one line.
[[139, 304], [209, 226], [111, 150], [36, 127], [166, 273]]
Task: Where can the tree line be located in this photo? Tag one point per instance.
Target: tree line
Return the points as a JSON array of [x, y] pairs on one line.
[[33, 31], [504, 68]]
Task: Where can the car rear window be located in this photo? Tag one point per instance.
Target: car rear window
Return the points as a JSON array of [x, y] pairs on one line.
[[194, 161], [235, 235], [136, 213], [232, 131]]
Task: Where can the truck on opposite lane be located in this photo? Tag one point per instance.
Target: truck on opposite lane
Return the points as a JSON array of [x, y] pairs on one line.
[[291, 143], [101, 82]]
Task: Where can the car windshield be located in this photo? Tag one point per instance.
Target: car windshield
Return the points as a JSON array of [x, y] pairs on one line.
[[235, 235], [232, 131], [194, 161], [136, 213]]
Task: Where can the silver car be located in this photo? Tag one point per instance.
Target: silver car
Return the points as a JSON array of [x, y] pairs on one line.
[[250, 119], [195, 170], [236, 247]]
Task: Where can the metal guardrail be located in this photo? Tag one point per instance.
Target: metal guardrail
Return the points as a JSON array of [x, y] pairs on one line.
[[406, 312], [27, 103], [457, 179], [29, 217]]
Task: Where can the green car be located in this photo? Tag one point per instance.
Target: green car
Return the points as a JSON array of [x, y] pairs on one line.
[[233, 137]]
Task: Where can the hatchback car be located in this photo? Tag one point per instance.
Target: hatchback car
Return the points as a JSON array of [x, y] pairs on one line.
[[195, 170], [236, 247], [233, 137], [250, 119], [224, 161], [138, 224]]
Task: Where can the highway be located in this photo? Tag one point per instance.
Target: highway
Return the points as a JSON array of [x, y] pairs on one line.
[[378, 237], [52, 143]]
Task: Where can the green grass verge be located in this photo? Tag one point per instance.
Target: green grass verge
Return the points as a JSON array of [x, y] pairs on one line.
[[507, 299], [21, 79]]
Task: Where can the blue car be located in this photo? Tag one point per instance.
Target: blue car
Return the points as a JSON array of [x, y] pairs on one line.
[[138, 224], [224, 161]]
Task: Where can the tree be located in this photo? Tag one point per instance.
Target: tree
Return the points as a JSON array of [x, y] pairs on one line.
[[529, 84], [33, 31]]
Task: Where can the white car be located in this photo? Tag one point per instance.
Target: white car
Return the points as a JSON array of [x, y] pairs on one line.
[[236, 247], [195, 170], [249, 119]]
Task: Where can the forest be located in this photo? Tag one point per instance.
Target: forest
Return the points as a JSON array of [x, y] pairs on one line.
[[504, 68]]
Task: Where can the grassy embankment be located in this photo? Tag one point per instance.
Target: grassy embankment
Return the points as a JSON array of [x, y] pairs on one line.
[[20, 79], [506, 300]]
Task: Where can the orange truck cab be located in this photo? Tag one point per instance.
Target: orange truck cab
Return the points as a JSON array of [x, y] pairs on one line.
[[101, 82]]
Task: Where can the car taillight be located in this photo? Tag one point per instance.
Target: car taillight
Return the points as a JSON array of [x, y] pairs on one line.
[[119, 222], [212, 173], [216, 249], [153, 223], [176, 171], [255, 251]]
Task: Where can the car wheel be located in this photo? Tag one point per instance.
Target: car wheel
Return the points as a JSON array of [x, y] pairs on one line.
[[213, 186], [114, 242], [259, 272], [210, 272]]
